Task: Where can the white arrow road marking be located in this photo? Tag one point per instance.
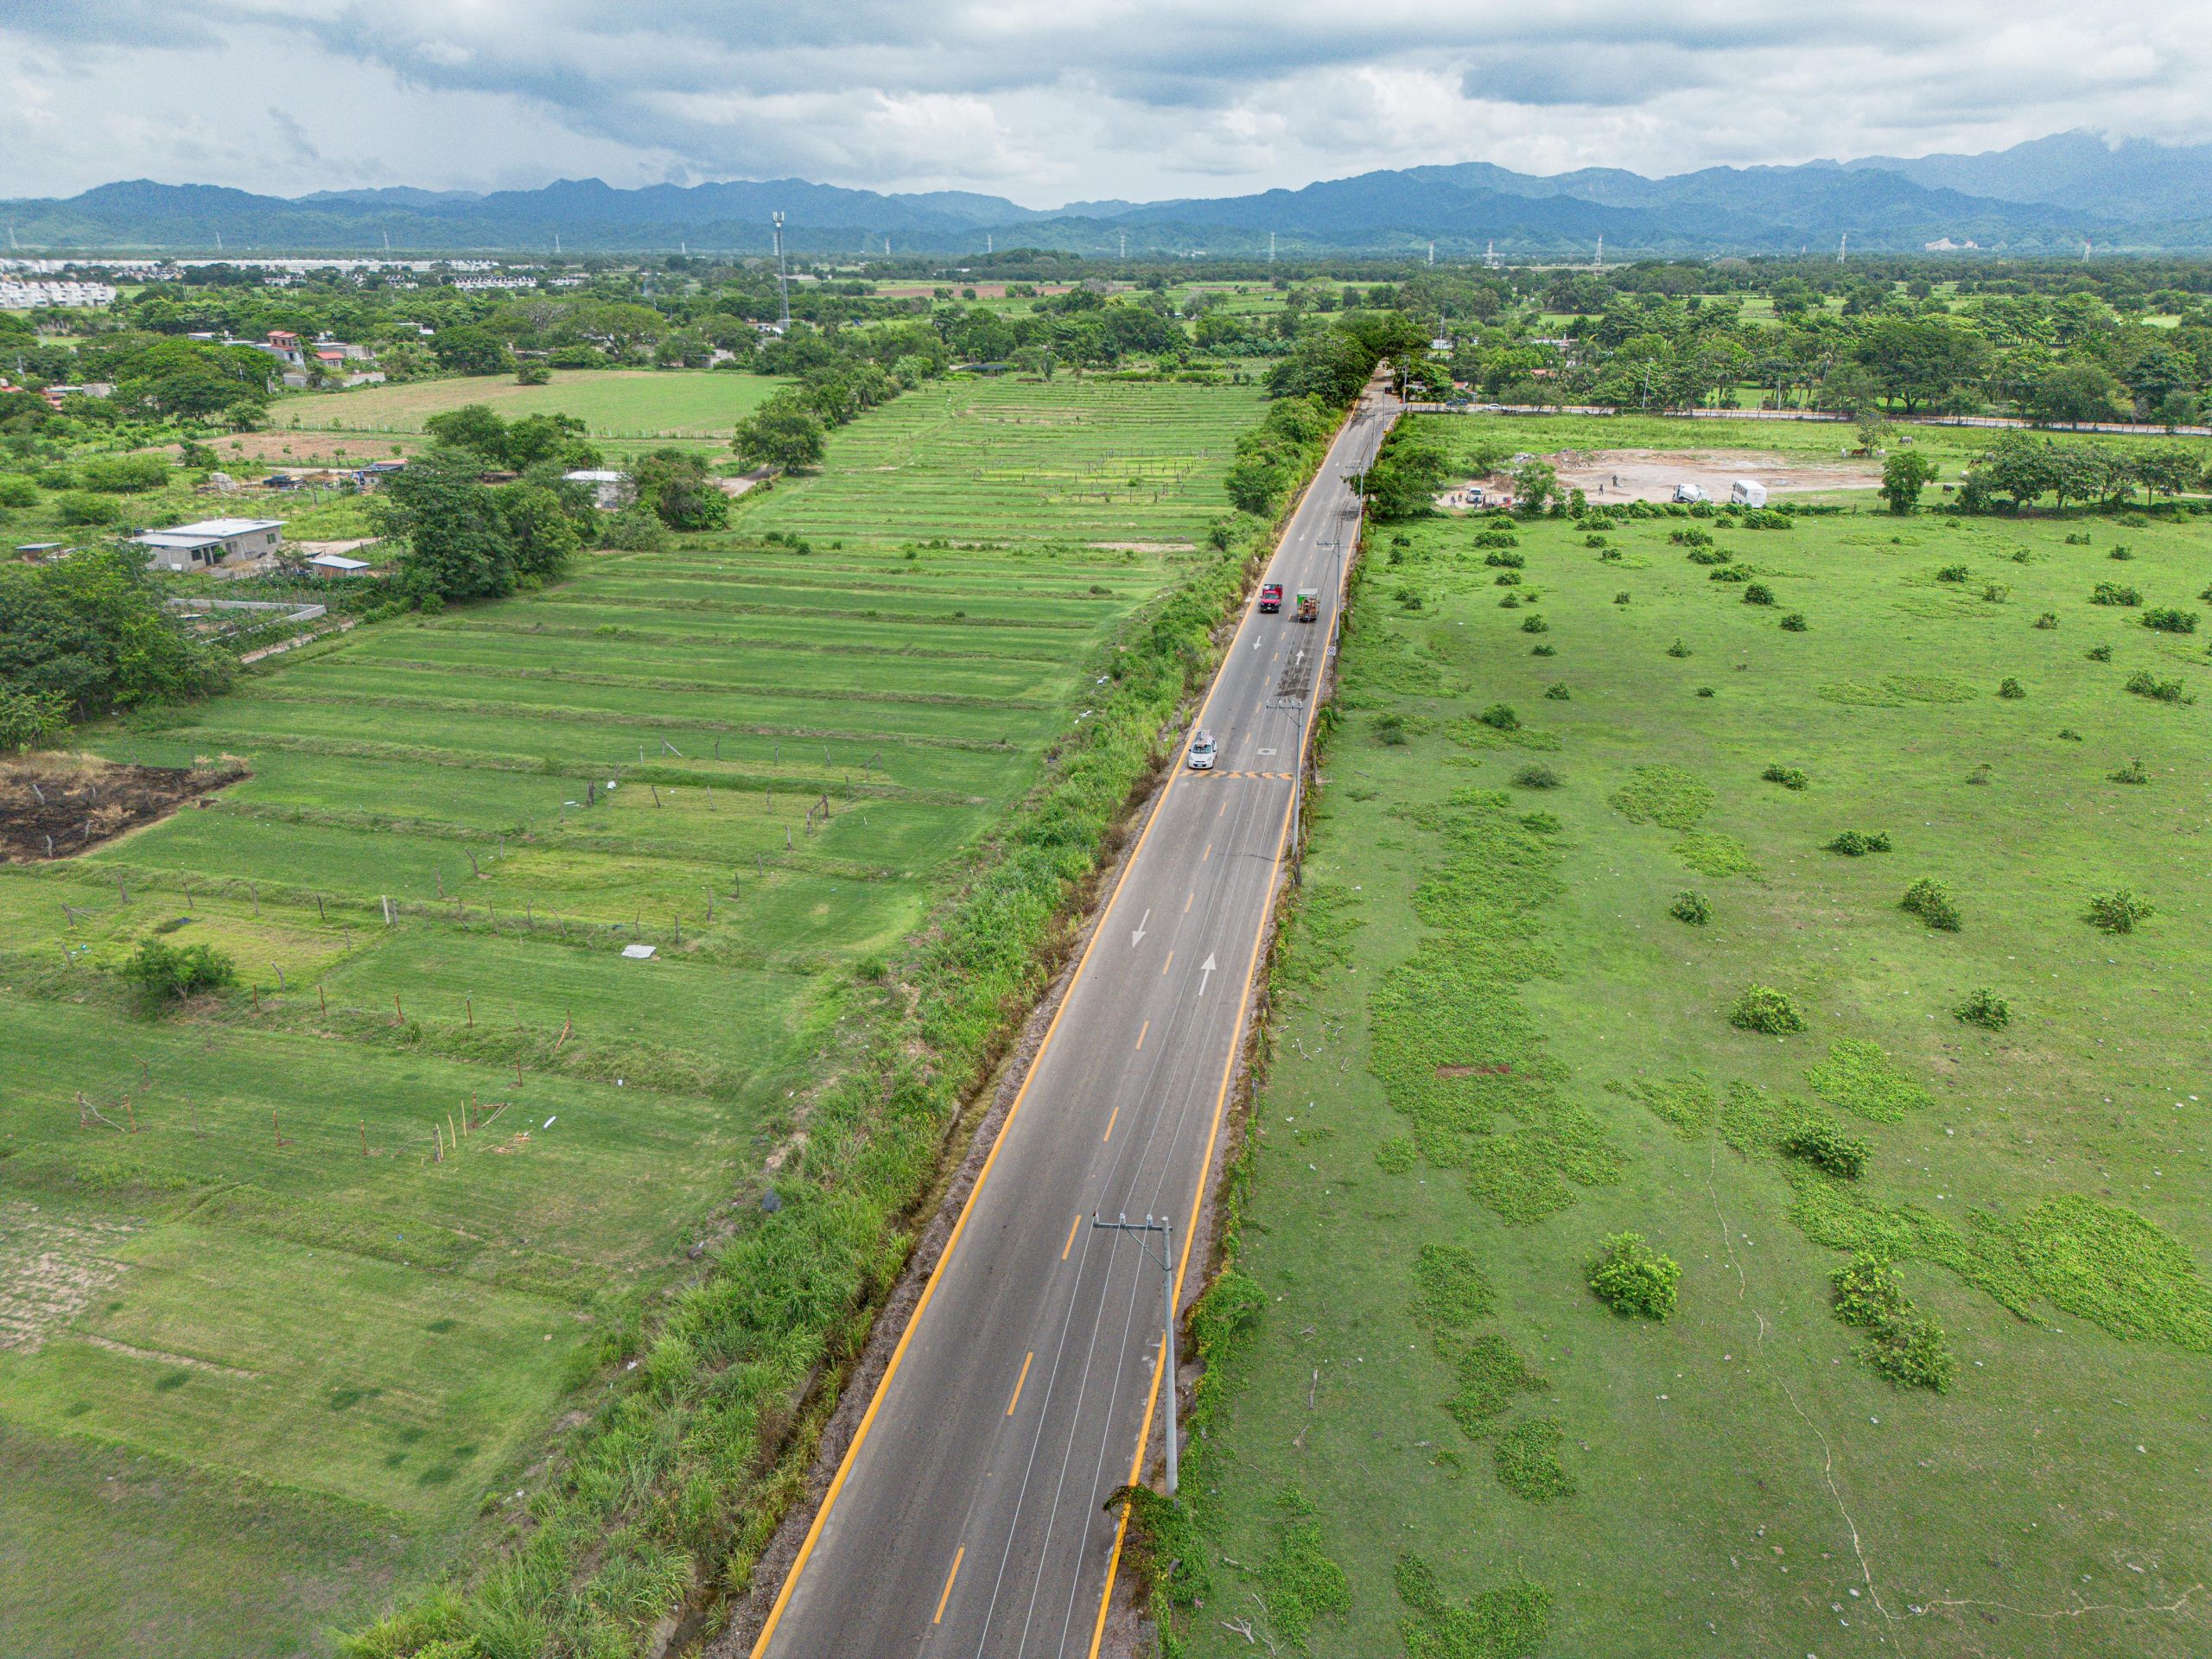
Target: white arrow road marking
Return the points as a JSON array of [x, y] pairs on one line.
[[1205, 968], [1137, 937]]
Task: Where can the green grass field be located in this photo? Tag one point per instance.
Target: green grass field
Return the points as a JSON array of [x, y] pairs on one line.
[[274, 1342], [1496, 1046], [611, 403]]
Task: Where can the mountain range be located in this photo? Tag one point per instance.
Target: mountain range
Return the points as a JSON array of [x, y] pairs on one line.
[[2047, 196]]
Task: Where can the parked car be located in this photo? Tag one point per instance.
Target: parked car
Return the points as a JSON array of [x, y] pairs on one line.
[[1204, 752]]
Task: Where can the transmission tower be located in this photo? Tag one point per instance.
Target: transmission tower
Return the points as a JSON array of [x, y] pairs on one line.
[[783, 283]]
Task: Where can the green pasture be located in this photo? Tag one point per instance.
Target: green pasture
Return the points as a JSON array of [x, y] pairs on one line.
[[1496, 1046], [612, 402], [334, 1249], [1004, 458]]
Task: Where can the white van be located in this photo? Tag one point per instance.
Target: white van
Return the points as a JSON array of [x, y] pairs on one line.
[[1204, 752], [1746, 493]]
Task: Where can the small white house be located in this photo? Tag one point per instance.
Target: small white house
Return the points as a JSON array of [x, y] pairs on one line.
[[1747, 493], [211, 543], [336, 564], [611, 491]]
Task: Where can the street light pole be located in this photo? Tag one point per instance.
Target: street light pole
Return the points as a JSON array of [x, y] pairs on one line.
[[1166, 1228]]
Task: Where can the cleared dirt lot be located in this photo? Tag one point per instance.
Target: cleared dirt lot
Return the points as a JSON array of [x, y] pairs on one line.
[[1652, 475]]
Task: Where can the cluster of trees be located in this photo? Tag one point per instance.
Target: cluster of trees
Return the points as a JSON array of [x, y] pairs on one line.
[[89, 634], [153, 375], [840, 373], [2020, 468]]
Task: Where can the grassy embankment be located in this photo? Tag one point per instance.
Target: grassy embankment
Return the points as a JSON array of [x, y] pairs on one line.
[[1496, 1046], [320, 1375]]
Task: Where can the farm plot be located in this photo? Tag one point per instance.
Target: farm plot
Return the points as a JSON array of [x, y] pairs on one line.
[[690, 404], [323, 1259], [1798, 951]]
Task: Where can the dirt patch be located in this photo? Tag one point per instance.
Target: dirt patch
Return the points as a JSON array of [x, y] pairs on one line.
[[1652, 475], [50, 1270], [1146, 547], [292, 448], [56, 806]]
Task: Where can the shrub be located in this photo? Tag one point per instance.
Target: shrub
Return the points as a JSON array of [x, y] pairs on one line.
[[1690, 906], [1931, 901], [1795, 623], [1853, 844], [1826, 1147], [1557, 692], [2112, 592], [1496, 538], [2068, 735], [1390, 730], [1510, 602], [1537, 776], [17, 491], [2011, 690], [1499, 716], [2047, 619], [1691, 536], [1407, 595], [1980, 775], [125, 474], [1507, 579], [1543, 650], [80, 507], [1631, 1278], [1986, 1009], [1705, 691], [1956, 572], [1505, 560], [1758, 594], [2168, 619], [2119, 911], [1621, 597], [2098, 653], [1678, 649], [1709, 555], [1730, 573], [1534, 625], [1788, 777], [1996, 593], [1903, 1344], [1593, 540], [1761, 1008], [2134, 772], [2120, 552], [165, 971], [1609, 555], [2143, 685]]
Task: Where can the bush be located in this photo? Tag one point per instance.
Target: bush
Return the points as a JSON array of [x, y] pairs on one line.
[[1507, 579], [125, 474], [1557, 692], [1795, 623], [2047, 619], [2119, 911], [1788, 777], [1407, 595], [1758, 594], [2112, 592], [2143, 685], [1500, 717], [1761, 1008], [1678, 649], [1690, 906], [2120, 552], [1390, 730], [1729, 573], [1534, 625], [1543, 650], [1505, 560], [1594, 540], [2134, 772], [1903, 1344], [2098, 653], [1621, 597], [1537, 776], [1956, 572], [2011, 690], [1853, 844], [165, 972], [1826, 1147], [1996, 593], [1986, 1009], [17, 491], [1501, 538], [81, 508], [1931, 901], [533, 374], [1691, 536], [2168, 619], [1710, 556], [1631, 1278]]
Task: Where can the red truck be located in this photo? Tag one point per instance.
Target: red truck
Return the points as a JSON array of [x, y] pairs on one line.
[[1270, 597]]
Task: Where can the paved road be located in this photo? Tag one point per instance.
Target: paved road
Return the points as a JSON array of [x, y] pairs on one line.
[[966, 1520]]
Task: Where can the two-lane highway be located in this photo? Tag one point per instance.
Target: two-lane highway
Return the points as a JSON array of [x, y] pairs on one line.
[[966, 1519]]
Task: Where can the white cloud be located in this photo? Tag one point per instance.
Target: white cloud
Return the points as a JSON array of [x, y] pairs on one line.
[[1045, 100]]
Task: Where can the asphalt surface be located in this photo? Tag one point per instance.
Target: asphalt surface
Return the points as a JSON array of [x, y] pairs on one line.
[[967, 1519]]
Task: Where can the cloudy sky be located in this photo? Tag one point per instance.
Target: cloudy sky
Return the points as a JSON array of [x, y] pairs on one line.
[[1049, 101]]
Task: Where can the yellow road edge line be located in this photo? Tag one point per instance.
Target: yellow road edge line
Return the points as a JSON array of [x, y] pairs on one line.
[[929, 1290], [946, 1595], [1019, 1381], [1197, 1200], [1072, 1225]]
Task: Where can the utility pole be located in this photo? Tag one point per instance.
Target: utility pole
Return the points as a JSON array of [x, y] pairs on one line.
[[783, 284], [1166, 1228]]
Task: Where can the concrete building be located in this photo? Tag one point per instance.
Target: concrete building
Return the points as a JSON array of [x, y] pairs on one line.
[[611, 491], [210, 543]]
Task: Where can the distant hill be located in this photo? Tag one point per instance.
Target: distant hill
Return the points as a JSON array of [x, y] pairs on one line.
[[2045, 196]]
